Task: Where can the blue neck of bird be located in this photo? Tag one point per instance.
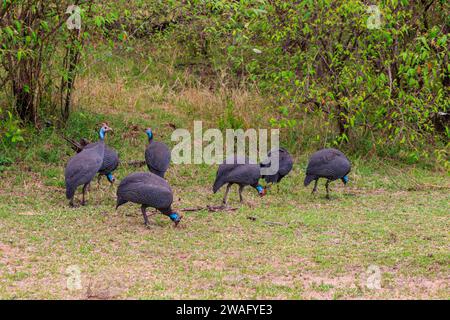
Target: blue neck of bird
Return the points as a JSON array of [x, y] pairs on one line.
[[102, 134], [150, 136], [345, 179], [259, 188]]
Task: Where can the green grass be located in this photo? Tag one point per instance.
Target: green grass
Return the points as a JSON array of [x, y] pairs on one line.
[[288, 244]]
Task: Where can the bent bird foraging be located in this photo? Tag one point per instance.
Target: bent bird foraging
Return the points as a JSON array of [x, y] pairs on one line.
[[148, 190], [238, 170], [330, 164]]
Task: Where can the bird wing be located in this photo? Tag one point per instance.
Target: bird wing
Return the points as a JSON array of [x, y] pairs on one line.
[[328, 163], [247, 174], [285, 164], [146, 178], [110, 161], [83, 166], [157, 156], [143, 190]]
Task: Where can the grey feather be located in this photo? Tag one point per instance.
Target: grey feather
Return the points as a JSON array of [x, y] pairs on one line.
[[157, 157], [147, 189], [110, 159], [83, 167], [238, 170], [330, 163], [285, 164]]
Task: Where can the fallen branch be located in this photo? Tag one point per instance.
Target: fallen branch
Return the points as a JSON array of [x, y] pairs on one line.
[[427, 186], [210, 209], [271, 223]]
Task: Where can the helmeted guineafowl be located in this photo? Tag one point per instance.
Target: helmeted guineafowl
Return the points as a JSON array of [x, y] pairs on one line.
[[83, 167], [109, 165], [238, 170], [157, 155], [330, 164], [285, 164], [148, 190], [110, 158]]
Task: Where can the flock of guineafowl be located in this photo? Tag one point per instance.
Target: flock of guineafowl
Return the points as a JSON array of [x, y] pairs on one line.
[[150, 189]]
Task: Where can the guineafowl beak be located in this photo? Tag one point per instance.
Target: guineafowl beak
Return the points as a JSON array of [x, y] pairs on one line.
[[106, 128], [263, 192]]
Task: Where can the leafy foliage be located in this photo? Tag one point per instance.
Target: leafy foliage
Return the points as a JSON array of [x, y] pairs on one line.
[[379, 87], [10, 132], [373, 78]]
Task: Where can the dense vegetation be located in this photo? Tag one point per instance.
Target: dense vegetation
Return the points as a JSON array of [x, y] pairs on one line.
[[372, 79]]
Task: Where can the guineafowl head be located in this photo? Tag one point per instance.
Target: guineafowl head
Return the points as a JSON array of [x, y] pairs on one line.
[[262, 191], [103, 130], [149, 133], [345, 179], [110, 178], [175, 217]]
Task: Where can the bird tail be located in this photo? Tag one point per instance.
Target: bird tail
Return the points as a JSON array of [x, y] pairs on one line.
[[120, 202], [308, 180]]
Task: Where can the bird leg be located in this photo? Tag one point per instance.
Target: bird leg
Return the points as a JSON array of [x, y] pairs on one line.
[[327, 186], [315, 186], [241, 188], [144, 213], [85, 187], [225, 198], [71, 204]]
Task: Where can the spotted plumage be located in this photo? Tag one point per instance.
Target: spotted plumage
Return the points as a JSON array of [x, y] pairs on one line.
[[330, 164], [83, 167], [148, 190], [285, 164], [157, 155], [110, 163], [238, 170]]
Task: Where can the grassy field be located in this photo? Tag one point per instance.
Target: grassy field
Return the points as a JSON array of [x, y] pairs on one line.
[[288, 244]]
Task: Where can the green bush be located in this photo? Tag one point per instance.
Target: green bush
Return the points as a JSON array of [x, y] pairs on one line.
[[10, 131], [376, 87]]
